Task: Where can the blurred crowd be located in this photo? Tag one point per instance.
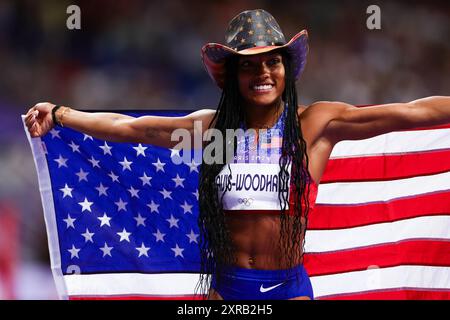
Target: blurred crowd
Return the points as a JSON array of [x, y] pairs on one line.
[[136, 54]]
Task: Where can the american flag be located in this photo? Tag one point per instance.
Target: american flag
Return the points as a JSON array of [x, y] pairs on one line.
[[381, 228], [122, 218]]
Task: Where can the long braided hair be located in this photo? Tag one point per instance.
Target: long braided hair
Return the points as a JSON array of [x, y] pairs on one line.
[[216, 247]]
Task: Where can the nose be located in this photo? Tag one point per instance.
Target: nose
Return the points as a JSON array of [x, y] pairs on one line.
[[262, 69]]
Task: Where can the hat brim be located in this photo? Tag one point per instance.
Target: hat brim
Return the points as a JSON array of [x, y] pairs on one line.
[[214, 55]]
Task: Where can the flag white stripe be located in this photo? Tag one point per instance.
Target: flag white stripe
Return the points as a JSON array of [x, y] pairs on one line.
[[174, 284], [374, 191], [429, 227], [394, 142], [424, 277], [45, 188]]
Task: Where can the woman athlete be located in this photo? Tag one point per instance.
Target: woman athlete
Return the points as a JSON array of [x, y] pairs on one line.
[[253, 238]]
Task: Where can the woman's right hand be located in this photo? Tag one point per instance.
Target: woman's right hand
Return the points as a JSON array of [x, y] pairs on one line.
[[39, 119]]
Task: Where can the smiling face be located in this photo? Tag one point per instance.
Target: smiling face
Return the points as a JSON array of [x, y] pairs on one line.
[[261, 78]]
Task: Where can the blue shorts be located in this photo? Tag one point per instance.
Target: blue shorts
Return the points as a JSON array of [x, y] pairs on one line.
[[252, 284]]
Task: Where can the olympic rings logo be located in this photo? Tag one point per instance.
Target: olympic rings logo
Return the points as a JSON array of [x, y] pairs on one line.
[[246, 201]]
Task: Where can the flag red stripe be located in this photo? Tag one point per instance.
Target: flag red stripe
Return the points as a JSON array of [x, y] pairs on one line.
[[386, 167], [391, 294], [327, 217], [135, 297], [346, 216], [443, 126], [408, 252], [395, 294]]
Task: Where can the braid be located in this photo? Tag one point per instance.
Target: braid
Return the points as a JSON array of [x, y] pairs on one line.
[[216, 247], [294, 154], [215, 244]]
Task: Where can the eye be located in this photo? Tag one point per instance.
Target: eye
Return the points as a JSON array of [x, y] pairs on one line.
[[274, 61], [245, 64]]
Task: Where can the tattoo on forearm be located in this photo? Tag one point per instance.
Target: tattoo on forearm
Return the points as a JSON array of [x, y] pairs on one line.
[[152, 133]]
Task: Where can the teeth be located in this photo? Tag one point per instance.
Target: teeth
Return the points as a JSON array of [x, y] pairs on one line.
[[263, 87]]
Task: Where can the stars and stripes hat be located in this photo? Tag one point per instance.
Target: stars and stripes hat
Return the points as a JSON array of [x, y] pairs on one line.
[[253, 32]]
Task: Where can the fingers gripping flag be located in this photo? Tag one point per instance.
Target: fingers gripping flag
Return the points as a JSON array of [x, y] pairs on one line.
[[121, 218]]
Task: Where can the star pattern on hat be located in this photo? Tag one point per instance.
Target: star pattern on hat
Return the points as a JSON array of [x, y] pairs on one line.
[[253, 28]]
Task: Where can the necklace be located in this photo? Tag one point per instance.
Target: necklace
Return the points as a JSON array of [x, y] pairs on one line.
[[278, 113]]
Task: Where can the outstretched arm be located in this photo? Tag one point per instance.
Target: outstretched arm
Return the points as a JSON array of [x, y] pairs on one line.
[[346, 122], [113, 126]]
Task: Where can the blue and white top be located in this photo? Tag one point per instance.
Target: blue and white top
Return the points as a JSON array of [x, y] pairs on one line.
[[252, 181]]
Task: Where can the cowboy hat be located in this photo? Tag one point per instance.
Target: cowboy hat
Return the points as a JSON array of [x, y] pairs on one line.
[[253, 32]]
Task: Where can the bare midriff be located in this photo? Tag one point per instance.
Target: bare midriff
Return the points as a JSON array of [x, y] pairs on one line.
[[256, 241]]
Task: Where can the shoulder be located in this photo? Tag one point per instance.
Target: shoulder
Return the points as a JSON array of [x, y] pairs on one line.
[[206, 117], [323, 108], [319, 114], [202, 113], [315, 118], [300, 109]]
